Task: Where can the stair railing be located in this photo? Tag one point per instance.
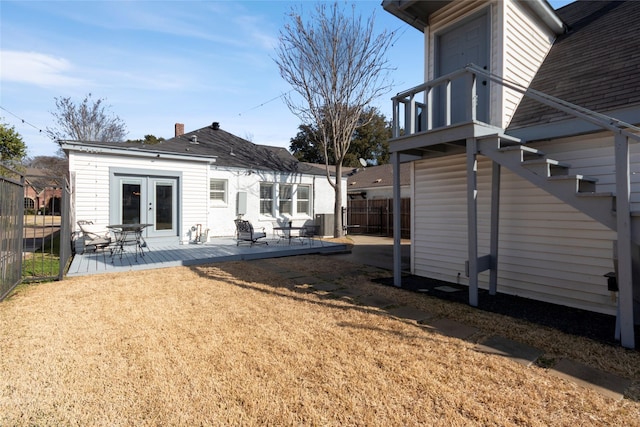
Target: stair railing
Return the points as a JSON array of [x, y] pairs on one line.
[[593, 117], [623, 133]]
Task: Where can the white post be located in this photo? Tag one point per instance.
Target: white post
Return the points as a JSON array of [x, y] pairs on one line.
[[397, 224], [623, 220], [495, 228], [472, 219]]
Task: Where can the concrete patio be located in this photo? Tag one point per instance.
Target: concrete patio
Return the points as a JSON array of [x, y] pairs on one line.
[[159, 255]]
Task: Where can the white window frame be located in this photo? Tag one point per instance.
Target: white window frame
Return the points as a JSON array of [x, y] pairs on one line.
[[281, 192], [307, 211], [224, 192], [264, 199]]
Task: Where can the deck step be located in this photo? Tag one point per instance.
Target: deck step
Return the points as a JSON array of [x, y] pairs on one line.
[[502, 140], [596, 194], [547, 167], [526, 153], [582, 183]]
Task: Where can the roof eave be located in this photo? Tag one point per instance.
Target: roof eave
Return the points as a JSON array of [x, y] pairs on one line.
[[131, 151], [547, 14]]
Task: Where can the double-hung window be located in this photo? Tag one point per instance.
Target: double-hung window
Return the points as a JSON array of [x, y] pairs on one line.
[[218, 191], [266, 199], [302, 198], [286, 199]]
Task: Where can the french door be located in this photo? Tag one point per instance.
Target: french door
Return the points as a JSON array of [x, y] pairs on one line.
[[149, 200]]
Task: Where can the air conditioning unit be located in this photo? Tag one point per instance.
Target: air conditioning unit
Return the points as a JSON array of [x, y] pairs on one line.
[[326, 223]]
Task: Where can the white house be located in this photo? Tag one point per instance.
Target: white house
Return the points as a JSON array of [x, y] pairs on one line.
[[524, 147], [197, 181]]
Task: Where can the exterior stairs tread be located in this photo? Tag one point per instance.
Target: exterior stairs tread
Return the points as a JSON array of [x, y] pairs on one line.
[[596, 194], [508, 139], [521, 148], [579, 177], [544, 160]]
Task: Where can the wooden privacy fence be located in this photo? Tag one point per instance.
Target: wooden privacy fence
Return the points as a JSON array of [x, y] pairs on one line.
[[376, 217], [11, 193]]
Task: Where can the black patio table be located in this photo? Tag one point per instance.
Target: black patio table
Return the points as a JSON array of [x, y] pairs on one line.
[[128, 235], [287, 231]]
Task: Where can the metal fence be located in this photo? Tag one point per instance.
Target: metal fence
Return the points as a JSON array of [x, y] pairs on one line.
[[376, 217], [47, 232], [11, 220]]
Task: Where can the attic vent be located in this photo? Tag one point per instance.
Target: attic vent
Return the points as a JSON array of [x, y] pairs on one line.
[[194, 139], [215, 125]]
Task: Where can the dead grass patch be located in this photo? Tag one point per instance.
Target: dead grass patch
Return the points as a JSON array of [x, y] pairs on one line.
[[250, 343]]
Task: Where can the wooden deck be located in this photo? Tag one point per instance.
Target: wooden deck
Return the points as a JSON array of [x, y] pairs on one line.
[[217, 250]]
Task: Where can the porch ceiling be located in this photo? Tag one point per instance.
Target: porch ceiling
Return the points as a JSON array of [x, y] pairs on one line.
[[414, 13]]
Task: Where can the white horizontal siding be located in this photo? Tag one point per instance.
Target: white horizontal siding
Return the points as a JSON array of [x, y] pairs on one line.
[[593, 156], [91, 192], [526, 43], [547, 250]]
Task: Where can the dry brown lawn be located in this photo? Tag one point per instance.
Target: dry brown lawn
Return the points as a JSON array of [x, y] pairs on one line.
[[248, 344]]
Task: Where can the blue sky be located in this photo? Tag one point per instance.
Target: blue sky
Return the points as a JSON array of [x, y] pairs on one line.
[[158, 63]]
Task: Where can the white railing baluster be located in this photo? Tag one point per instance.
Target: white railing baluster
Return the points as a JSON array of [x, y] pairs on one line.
[[412, 114], [430, 108], [447, 103], [472, 104]]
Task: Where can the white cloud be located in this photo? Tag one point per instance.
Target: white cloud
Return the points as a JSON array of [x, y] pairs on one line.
[[36, 68]]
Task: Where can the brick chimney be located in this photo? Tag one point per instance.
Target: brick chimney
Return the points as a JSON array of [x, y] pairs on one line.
[[179, 129]]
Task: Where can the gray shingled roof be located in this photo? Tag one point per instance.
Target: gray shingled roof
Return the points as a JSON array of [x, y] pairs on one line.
[[377, 176], [226, 148], [596, 64]]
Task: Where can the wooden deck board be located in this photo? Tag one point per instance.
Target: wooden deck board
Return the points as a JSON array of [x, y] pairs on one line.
[[163, 255]]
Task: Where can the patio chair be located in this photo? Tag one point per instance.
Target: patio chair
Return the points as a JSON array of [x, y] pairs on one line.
[[246, 233], [311, 231], [94, 237], [279, 232]]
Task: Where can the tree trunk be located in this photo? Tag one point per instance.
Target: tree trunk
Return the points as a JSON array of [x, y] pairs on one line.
[[338, 230]]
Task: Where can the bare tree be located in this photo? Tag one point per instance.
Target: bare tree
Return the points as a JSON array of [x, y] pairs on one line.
[[52, 165], [88, 122], [336, 64]]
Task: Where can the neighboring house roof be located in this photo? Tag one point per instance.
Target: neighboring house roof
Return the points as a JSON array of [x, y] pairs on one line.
[[321, 169], [595, 65], [376, 177], [222, 147], [40, 179]]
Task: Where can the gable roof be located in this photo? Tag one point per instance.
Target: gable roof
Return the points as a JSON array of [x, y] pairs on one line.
[[595, 65], [377, 176]]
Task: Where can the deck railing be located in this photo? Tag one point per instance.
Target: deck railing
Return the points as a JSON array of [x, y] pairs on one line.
[[430, 105]]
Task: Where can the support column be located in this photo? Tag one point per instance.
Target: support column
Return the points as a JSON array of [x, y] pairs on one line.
[[495, 227], [623, 223], [397, 221], [472, 219]]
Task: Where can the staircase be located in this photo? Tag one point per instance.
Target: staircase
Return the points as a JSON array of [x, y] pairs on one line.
[[555, 177], [578, 191]]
